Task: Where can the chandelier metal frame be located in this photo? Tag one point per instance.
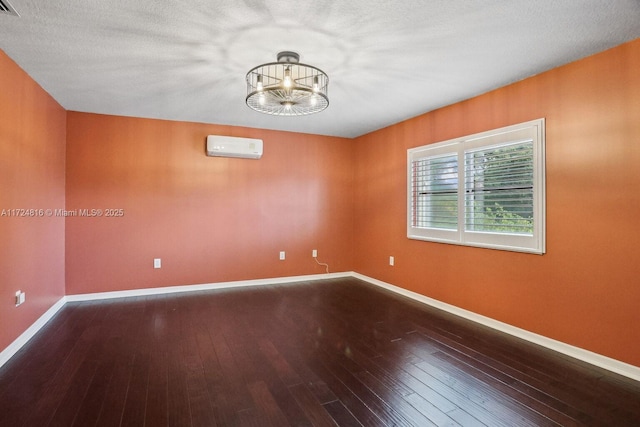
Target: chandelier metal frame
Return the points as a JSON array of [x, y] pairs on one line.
[[287, 87]]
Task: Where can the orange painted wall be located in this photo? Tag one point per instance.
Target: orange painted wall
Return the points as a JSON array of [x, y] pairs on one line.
[[585, 290], [208, 219], [32, 162]]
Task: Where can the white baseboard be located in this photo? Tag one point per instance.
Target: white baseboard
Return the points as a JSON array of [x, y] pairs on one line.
[[590, 357], [19, 342], [203, 287], [605, 362]]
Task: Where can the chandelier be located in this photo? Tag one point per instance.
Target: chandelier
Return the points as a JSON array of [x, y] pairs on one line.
[[287, 88]]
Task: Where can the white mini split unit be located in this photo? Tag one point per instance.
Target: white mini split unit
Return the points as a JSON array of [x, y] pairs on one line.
[[230, 146]]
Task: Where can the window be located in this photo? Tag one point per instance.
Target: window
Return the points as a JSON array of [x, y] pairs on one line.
[[482, 190]]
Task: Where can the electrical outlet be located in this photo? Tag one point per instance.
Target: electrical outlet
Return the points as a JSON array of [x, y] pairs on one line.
[[157, 263], [20, 298], [314, 253], [392, 260], [282, 255]]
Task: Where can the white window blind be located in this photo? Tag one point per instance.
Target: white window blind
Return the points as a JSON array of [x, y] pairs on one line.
[[435, 189], [499, 189], [481, 190]]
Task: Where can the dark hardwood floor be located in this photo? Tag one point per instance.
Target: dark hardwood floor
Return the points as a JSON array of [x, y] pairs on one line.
[[324, 353]]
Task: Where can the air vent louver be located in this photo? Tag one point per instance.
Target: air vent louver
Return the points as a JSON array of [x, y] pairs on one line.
[[7, 9]]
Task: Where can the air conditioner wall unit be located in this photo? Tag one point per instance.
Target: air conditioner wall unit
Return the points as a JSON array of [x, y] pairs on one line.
[[231, 146]]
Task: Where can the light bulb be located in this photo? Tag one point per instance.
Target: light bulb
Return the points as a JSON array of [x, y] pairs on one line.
[[314, 100], [316, 85], [287, 105], [259, 86], [286, 82]]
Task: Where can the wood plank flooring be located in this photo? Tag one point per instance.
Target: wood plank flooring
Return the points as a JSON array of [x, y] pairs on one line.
[[323, 353]]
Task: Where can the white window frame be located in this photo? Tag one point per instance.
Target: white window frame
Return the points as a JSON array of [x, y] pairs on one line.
[[531, 243]]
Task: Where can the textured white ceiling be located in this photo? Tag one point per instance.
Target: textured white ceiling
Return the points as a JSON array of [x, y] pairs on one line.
[[386, 60]]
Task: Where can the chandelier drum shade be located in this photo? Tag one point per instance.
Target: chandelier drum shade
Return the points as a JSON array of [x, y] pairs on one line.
[[287, 88]]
